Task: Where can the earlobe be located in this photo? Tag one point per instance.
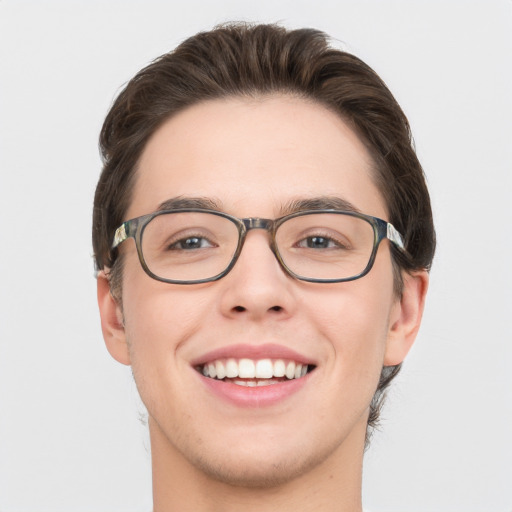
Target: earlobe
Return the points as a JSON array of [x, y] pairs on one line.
[[112, 321], [406, 317]]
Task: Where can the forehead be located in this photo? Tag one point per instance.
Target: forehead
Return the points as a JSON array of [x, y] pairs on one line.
[[254, 155]]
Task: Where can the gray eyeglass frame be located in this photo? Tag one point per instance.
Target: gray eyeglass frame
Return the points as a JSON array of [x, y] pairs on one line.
[[134, 228]]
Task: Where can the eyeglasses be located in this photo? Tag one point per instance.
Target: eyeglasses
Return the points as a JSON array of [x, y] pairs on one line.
[[194, 245]]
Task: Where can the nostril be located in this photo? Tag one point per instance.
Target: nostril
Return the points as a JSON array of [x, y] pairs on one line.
[[276, 308], [239, 309]]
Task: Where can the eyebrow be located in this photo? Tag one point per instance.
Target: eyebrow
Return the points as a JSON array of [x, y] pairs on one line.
[[175, 203], [318, 203], [292, 206]]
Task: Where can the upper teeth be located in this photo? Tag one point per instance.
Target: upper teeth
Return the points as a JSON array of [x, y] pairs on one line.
[[254, 369]]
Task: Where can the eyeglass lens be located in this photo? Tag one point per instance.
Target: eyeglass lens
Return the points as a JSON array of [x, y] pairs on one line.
[[189, 246]]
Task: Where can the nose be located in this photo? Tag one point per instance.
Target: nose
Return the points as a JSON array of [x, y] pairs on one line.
[[257, 287]]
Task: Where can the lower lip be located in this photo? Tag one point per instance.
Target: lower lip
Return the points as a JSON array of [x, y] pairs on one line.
[[258, 396]]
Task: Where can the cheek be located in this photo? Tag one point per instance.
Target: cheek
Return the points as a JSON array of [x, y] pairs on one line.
[[158, 320], [355, 307], [356, 326], [353, 321], [159, 317]]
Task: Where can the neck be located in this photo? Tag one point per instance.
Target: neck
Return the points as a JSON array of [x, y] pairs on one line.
[[333, 485]]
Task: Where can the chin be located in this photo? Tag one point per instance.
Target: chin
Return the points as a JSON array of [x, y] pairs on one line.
[[252, 474], [256, 468]]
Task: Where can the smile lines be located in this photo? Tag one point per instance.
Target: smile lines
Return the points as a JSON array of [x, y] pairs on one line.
[[261, 372]]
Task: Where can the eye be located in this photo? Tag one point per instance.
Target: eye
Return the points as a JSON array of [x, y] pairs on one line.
[[190, 243], [319, 242]]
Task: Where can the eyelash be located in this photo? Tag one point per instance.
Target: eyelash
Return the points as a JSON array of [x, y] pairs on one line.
[[330, 239], [172, 245]]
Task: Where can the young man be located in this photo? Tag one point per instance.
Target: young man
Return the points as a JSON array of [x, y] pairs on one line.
[[263, 233]]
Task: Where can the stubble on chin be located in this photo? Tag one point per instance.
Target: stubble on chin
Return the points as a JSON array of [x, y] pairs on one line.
[[253, 471]]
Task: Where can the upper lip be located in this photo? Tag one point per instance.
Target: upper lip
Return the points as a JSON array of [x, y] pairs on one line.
[[249, 351]]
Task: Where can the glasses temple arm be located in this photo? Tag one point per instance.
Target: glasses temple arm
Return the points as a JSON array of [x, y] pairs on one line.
[[120, 235], [394, 236]]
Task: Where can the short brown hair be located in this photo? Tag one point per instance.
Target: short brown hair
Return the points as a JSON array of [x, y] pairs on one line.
[[254, 60]]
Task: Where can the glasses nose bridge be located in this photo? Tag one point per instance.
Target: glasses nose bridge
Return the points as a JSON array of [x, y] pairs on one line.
[[260, 223]]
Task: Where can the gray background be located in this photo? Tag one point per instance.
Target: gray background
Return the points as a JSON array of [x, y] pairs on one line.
[[70, 437]]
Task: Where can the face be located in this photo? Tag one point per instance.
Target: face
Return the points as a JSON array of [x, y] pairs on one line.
[[253, 157]]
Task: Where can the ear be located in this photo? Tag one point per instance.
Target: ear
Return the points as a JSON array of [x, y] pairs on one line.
[[406, 317], [112, 321]]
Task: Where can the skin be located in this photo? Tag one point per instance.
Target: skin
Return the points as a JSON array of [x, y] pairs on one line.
[[304, 452]]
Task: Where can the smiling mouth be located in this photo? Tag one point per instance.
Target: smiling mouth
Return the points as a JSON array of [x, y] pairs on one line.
[[252, 373]]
